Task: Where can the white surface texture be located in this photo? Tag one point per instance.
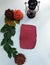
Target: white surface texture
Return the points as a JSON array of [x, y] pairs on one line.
[[40, 55]]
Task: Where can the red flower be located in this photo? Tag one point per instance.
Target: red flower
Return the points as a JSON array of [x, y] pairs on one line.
[[18, 15], [20, 59]]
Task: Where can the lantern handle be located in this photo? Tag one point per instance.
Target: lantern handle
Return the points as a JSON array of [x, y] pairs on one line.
[[37, 9]]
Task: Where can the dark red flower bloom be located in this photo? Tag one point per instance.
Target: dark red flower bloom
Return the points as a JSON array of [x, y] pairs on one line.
[[9, 14], [20, 59]]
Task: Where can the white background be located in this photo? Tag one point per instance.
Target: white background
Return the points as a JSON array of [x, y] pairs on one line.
[[40, 55]]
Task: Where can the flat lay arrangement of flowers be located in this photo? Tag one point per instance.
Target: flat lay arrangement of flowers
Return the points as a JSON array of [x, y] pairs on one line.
[[12, 17]]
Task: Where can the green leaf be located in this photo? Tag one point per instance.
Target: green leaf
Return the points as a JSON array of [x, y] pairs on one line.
[[9, 55], [3, 42], [14, 52], [4, 28], [18, 22], [12, 31], [14, 49], [6, 41], [9, 29], [7, 35], [10, 42], [7, 48]]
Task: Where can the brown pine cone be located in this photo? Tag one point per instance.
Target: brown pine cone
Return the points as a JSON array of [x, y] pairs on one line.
[[20, 59], [9, 14]]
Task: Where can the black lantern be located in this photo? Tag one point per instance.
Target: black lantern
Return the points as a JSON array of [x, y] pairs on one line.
[[31, 8]]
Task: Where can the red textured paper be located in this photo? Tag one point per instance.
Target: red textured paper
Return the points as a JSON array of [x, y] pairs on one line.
[[28, 36]]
